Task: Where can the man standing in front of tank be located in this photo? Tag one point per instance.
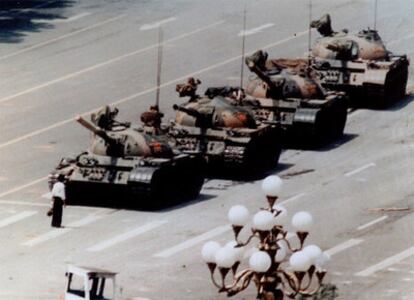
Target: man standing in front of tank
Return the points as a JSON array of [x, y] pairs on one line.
[[58, 198]]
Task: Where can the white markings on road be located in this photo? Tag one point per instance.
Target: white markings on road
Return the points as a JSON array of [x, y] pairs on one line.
[[16, 218], [373, 222], [386, 263], [360, 169], [71, 19], [24, 203], [294, 198], [48, 42], [194, 241], [147, 91], [125, 236], [54, 233], [157, 24], [102, 64], [21, 187], [344, 246], [256, 29]]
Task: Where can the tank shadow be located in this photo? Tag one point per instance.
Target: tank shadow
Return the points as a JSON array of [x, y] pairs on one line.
[[372, 105], [346, 137], [17, 18]]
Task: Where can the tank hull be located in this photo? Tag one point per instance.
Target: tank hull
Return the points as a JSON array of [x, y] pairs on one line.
[[238, 149], [132, 182], [305, 122], [368, 83]]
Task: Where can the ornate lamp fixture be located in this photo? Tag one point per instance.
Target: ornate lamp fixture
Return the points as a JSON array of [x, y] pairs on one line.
[[277, 268]]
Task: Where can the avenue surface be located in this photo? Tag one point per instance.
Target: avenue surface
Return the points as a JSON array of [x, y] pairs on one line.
[[66, 58]]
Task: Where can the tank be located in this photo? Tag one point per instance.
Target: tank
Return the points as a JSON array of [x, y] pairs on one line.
[[228, 135], [287, 93], [359, 64], [125, 166]]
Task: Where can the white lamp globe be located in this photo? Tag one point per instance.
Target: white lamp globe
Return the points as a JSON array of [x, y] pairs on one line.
[[224, 258], [300, 261], [272, 185], [302, 221], [209, 250], [313, 251], [281, 252], [321, 261], [237, 251], [238, 215], [260, 261], [282, 218], [263, 220]]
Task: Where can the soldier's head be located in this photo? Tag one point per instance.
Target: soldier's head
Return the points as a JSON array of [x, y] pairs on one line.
[[61, 178]]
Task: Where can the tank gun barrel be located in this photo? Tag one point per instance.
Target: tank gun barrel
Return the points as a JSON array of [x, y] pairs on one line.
[[191, 112], [96, 130]]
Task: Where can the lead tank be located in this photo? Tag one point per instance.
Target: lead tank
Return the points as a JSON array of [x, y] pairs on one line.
[[125, 164], [228, 135], [287, 93], [359, 64]]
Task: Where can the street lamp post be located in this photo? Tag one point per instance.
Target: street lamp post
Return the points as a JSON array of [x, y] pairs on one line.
[[277, 268]]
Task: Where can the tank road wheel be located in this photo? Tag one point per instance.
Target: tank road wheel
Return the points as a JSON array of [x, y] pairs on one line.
[[338, 116], [394, 87]]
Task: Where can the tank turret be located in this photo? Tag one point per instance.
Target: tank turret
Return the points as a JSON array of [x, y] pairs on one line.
[[277, 81], [358, 64], [126, 167]]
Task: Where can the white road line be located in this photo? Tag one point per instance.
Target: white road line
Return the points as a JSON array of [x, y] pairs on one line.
[[24, 203], [102, 64], [54, 233], [386, 263], [48, 42], [147, 91], [192, 242], [71, 19], [21, 187], [344, 246], [373, 222], [256, 29], [360, 169], [294, 198], [157, 24], [125, 236], [16, 218]]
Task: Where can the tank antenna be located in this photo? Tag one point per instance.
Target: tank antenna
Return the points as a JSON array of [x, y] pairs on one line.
[[159, 63], [310, 34], [375, 14], [243, 46]]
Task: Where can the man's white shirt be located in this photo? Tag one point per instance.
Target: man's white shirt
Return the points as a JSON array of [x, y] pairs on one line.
[[58, 190]]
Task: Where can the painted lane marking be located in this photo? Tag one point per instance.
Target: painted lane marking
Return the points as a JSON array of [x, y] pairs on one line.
[[386, 263], [373, 222], [103, 64], [54, 233], [16, 189], [360, 169], [125, 236], [48, 42], [291, 199], [132, 97], [71, 19], [157, 24], [344, 246], [16, 218], [24, 203], [194, 241], [255, 30]]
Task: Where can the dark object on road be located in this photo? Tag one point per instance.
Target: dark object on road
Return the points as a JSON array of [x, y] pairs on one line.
[[125, 166], [286, 94], [359, 64], [228, 135], [326, 292]]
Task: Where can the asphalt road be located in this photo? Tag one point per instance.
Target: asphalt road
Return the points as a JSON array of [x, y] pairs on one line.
[[60, 59]]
